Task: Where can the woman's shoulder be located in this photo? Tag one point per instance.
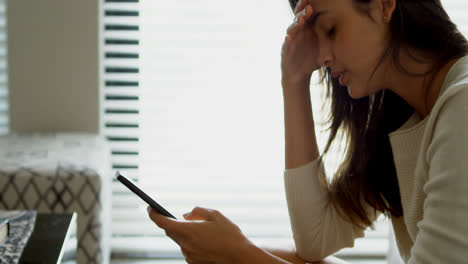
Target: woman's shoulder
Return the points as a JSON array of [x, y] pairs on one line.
[[454, 92], [447, 124], [456, 77]]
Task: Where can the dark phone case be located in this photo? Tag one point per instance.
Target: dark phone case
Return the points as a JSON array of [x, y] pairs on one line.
[[142, 195]]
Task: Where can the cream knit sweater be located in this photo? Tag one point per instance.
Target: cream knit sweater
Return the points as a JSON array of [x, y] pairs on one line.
[[431, 160]]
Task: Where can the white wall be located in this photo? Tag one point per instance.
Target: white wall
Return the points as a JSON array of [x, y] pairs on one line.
[[53, 63]]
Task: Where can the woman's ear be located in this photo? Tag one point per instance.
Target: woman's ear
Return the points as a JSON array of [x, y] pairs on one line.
[[388, 7]]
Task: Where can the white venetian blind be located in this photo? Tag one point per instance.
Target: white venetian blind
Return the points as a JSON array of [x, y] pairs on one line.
[[120, 86], [193, 111], [211, 112], [3, 71], [212, 116]]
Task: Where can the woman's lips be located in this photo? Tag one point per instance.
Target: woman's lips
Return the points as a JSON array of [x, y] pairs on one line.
[[341, 80], [336, 74], [339, 75]]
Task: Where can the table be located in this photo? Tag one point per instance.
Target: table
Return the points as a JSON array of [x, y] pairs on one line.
[[46, 244]]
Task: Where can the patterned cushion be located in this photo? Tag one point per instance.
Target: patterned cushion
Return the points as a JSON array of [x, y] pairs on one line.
[[61, 173]]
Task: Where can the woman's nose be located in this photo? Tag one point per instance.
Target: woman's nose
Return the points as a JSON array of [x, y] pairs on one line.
[[325, 55]]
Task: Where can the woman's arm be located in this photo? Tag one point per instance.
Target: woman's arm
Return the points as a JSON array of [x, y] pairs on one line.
[[291, 256], [269, 255], [209, 237], [301, 144], [318, 229], [288, 254], [298, 61], [443, 230]]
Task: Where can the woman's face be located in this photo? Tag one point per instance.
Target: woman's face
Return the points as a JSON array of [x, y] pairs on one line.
[[351, 43]]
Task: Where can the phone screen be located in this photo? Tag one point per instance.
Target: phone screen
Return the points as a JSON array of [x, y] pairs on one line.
[[132, 186]]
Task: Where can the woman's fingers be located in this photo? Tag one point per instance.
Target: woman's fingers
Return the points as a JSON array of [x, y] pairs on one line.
[[300, 5], [308, 10], [176, 230], [156, 218], [200, 213], [299, 21], [294, 27], [212, 240], [305, 14], [164, 222]]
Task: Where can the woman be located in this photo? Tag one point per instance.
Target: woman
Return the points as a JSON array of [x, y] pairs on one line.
[[397, 76]]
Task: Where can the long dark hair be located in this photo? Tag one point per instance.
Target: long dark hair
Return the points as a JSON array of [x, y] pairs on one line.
[[368, 172]]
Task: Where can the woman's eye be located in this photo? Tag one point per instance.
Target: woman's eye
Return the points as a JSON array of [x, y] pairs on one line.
[[331, 32]]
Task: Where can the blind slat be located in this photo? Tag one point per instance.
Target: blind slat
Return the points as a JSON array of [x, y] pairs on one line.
[[119, 83], [121, 27], [123, 13], [122, 55]]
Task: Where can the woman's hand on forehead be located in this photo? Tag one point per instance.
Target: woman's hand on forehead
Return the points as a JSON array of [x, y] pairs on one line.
[[300, 5]]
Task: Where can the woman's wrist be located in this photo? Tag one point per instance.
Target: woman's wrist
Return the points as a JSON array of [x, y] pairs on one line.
[[246, 253], [250, 253], [290, 85]]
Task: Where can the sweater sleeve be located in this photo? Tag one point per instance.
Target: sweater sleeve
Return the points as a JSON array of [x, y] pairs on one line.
[[443, 231], [318, 230]]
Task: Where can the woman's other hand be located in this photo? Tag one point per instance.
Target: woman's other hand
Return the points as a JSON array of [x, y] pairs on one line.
[[299, 52], [206, 236]]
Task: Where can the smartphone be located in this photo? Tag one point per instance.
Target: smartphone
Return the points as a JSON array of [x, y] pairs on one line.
[[127, 182]]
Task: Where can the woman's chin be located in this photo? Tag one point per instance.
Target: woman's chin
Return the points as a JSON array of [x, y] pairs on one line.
[[355, 94], [351, 92]]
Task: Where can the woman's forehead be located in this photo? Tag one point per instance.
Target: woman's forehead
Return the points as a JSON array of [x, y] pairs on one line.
[[319, 5], [331, 6]]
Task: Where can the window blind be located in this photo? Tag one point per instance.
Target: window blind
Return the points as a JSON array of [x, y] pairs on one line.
[[3, 71], [120, 86], [212, 118], [193, 112]]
